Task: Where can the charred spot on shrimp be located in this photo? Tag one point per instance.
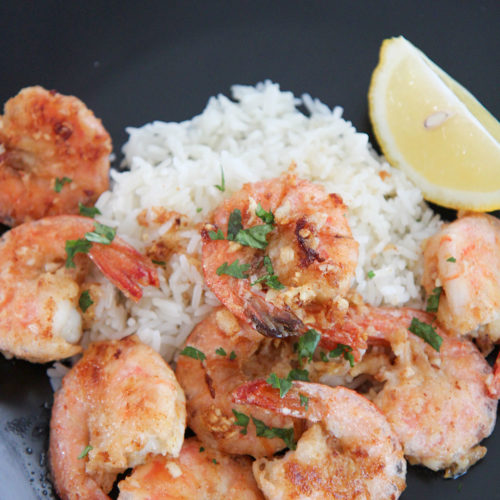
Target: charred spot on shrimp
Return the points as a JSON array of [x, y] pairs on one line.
[[305, 234], [281, 325], [63, 130]]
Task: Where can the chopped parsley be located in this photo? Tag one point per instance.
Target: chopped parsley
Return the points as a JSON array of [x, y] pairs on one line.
[[234, 225], [85, 451], [307, 344], [242, 420], [267, 217], [198, 210], [451, 259], [202, 449], [214, 461], [343, 350], [159, 262], [283, 384], [269, 279], [101, 234], [220, 351], [232, 355], [76, 246], [323, 357], [304, 401], [88, 211], [59, 183], [219, 235], [426, 332], [255, 236], [287, 435], [85, 301], [236, 270], [371, 274], [222, 186], [194, 353], [433, 300]]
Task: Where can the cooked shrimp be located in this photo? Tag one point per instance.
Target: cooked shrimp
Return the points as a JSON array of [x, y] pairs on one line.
[[199, 473], [437, 402], [464, 259], [349, 450], [40, 319], [117, 407], [54, 154], [208, 383], [310, 249]]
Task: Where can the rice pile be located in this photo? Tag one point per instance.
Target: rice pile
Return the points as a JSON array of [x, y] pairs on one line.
[[255, 135]]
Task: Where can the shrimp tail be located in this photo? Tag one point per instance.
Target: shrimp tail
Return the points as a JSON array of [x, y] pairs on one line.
[[125, 267], [271, 321]]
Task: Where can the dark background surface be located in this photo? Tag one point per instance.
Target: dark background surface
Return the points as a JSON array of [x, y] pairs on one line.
[[135, 62]]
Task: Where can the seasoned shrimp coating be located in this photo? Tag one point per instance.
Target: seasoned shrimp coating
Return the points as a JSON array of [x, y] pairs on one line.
[[349, 450], [234, 354], [437, 402], [54, 154], [464, 259], [118, 406], [302, 238], [199, 473], [40, 315]]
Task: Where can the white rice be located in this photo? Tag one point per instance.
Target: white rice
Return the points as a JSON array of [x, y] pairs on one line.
[[254, 136]]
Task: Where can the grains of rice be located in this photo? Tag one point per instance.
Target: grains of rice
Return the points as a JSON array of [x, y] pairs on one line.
[[255, 135]]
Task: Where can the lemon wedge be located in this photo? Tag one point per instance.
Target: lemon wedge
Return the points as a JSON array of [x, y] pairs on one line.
[[431, 127]]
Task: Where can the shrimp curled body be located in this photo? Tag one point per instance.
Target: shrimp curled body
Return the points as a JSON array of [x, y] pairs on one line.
[[310, 247], [197, 474], [349, 450], [117, 407], [40, 319], [46, 138]]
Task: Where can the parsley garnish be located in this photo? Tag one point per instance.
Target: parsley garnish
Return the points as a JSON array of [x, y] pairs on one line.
[[235, 269], [426, 332], [60, 183], [323, 357], [232, 355], [343, 350], [270, 279], [194, 353], [219, 235], [287, 435], [283, 384], [76, 246], [307, 344], [198, 210], [159, 262], [202, 449], [451, 259], [214, 461], [85, 301], [255, 236], [242, 420], [88, 211], [222, 186], [433, 300], [371, 274], [101, 234], [267, 217], [234, 225], [304, 401], [220, 351], [85, 451]]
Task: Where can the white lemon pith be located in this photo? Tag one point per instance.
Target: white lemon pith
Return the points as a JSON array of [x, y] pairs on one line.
[[435, 130]]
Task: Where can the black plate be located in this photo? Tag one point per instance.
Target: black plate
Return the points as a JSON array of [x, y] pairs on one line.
[[134, 62]]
